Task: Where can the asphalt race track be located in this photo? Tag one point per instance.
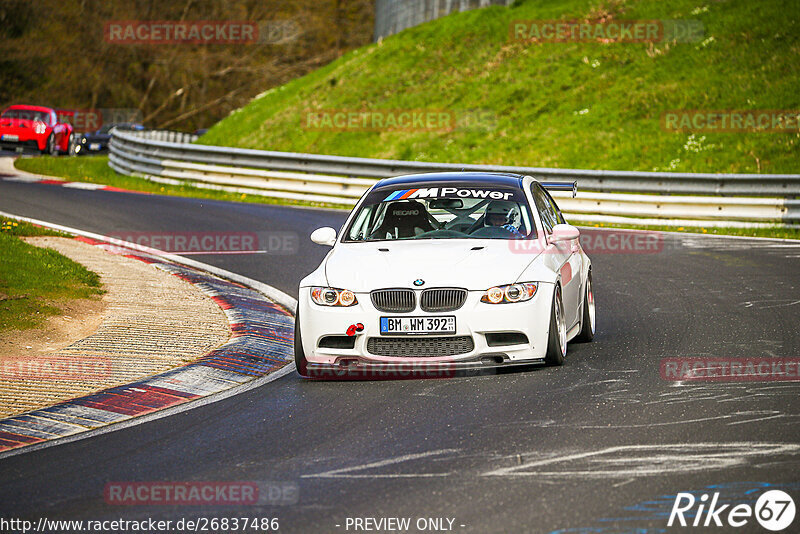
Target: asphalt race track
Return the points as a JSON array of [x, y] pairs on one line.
[[602, 444]]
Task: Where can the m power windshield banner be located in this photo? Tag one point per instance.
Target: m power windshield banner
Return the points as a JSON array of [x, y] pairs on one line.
[[473, 192]]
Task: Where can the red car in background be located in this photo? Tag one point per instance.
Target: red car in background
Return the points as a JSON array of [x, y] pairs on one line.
[[35, 127]]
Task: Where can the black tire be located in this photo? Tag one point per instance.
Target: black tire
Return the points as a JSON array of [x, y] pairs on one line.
[[50, 146], [588, 322], [299, 355], [556, 341], [70, 146]]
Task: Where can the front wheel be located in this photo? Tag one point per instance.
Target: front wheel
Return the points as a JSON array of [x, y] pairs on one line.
[[557, 340], [588, 321], [70, 151], [50, 146], [299, 356]]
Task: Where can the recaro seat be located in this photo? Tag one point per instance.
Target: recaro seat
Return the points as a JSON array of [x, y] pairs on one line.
[[404, 218]]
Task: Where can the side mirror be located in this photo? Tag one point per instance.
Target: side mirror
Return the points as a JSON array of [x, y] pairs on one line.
[[324, 236], [564, 232]]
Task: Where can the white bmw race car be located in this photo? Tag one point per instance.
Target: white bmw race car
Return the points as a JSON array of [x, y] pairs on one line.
[[459, 270]]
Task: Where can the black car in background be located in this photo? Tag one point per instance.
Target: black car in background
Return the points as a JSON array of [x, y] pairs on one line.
[[97, 142]]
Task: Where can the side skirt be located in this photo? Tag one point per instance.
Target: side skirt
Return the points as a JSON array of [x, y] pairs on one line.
[[574, 331]]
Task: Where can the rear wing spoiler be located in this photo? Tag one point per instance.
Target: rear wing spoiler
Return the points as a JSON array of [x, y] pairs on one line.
[[561, 186]]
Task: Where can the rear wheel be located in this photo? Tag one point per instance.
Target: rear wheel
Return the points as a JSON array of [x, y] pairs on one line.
[[557, 340], [588, 321], [299, 356]]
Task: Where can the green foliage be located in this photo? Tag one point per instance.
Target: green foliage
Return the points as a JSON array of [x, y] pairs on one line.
[[34, 280], [567, 105], [20, 228], [55, 53]]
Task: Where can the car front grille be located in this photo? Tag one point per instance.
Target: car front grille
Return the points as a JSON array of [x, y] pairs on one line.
[[420, 347], [394, 300], [442, 299]]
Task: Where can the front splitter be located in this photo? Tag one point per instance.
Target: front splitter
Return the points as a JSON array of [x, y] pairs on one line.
[[370, 370]]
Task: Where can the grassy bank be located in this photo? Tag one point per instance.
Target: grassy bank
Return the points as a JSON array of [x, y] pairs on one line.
[[552, 104], [35, 281]]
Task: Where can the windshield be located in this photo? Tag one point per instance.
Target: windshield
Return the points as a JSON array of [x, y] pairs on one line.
[[471, 211], [27, 114]]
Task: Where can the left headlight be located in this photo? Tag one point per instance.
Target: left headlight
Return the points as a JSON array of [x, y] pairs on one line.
[[331, 296], [39, 127], [509, 293]]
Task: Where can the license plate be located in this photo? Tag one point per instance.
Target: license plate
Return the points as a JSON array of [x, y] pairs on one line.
[[418, 325], [94, 146], [9, 137]]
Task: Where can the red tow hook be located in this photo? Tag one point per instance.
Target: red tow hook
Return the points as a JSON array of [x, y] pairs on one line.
[[353, 328]]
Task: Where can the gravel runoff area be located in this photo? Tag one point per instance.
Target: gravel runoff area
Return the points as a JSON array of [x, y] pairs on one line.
[[149, 322]]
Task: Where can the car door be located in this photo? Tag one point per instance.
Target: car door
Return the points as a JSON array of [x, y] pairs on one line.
[[58, 129], [565, 259], [573, 287]]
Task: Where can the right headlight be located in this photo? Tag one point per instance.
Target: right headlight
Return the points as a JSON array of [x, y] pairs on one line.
[[509, 293], [331, 296]]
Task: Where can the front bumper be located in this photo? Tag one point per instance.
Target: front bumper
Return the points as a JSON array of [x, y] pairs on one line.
[[26, 140], [481, 322], [88, 146]]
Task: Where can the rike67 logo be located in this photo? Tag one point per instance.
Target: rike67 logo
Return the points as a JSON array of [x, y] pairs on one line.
[[774, 510]]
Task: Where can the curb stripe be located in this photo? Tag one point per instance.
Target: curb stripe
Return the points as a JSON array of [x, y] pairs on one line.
[[16, 440], [262, 335]]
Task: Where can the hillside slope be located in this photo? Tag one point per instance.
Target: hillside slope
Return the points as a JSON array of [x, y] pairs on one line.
[[568, 105]]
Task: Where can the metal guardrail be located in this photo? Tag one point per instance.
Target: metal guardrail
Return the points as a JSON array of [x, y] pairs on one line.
[[171, 157]]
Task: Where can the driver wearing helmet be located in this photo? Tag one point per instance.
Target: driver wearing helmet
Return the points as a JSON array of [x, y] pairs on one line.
[[501, 213]]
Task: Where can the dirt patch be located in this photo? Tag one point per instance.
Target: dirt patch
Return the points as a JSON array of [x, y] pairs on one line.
[[80, 318]]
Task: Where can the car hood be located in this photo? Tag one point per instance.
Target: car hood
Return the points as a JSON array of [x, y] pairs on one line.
[[475, 264]]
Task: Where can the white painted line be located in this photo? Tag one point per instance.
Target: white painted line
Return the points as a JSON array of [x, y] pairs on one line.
[[84, 185], [790, 242], [345, 472], [650, 460], [697, 223], [221, 252]]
